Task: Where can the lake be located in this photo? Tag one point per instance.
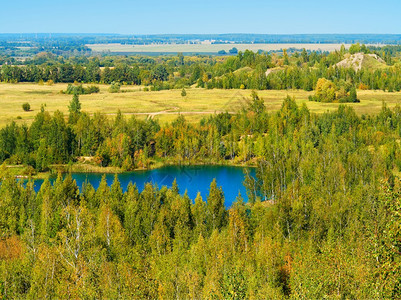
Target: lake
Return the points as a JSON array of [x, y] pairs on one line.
[[194, 179]]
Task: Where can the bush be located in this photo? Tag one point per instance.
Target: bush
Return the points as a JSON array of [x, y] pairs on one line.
[[29, 171], [26, 106], [115, 87], [233, 51], [80, 90], [327, 91]]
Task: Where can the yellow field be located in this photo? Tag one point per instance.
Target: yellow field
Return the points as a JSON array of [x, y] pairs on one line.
[[163, 105]]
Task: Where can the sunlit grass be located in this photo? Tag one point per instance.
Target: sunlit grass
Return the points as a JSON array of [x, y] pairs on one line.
[[163, 105]]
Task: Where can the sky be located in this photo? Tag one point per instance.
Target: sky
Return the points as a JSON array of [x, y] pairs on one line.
[[202, 16]]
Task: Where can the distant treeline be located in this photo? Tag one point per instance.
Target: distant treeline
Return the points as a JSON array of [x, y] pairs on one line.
[[68, 45], [82, 39], [246, 70]]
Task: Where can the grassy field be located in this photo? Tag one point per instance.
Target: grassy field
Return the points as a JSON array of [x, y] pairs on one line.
[[206, 48], [163, 105]]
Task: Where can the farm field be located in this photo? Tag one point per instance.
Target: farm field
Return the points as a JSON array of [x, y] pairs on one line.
[[163, 105], [206, 48]]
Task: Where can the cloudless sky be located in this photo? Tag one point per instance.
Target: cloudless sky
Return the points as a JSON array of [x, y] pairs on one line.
[[202, 16]]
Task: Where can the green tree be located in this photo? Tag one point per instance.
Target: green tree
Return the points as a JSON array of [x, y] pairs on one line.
[[75, 105], [183, 93], [26, 106], [217, 215], [74, 109]]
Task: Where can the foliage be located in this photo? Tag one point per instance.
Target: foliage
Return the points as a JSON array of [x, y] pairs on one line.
[[327, 91], [115, 87], [322, 219], [26, 106], [289, 68], [81, 90]]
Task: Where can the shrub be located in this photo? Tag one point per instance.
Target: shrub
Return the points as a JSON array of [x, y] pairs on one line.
[[233, 50], [26, 106], [80, 90], [115, 87], [327, 91]]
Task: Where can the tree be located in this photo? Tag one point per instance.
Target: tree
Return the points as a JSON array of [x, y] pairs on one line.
[[304, 55], [352, 95], [183, 93], [217, 216], [233, 50], [75, 105], [159, 72], [199, 213], [111, 233], [26, 106], [285, 57], [257, 104], [325, 90], [355, 48], [74, 109], [115, 87]]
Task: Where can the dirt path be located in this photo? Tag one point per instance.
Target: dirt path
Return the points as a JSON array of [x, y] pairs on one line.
[[171, 111]]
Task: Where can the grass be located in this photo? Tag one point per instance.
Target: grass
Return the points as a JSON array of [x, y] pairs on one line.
[[372, 63], [90, 168], [163, 105]]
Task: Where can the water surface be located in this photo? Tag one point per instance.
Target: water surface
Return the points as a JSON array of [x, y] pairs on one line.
[[194, 179]]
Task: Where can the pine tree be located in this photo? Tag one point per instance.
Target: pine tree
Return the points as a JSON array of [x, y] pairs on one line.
[[183, 93]]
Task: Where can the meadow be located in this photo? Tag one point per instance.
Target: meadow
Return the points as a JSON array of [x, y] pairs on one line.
[[164, 105]]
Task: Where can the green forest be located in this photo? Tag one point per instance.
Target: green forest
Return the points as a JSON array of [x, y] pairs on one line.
[[322, 215], [322, 218], [292, 69]]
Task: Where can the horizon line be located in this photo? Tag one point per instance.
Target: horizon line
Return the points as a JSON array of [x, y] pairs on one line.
[[229, 33]]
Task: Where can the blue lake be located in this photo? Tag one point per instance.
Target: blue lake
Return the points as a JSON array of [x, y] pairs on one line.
[[194, 179]]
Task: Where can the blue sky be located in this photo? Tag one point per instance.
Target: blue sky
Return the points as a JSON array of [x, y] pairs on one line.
[[206, 16]]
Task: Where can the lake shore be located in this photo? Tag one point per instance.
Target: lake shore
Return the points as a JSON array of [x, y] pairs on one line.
[[25, 172]]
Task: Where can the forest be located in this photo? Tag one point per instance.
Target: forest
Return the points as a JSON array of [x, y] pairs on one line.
[[284, 70], [322, 216], [321, 220]]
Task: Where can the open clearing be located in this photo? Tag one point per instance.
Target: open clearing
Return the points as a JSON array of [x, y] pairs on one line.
[[163, 105], [206, 48]]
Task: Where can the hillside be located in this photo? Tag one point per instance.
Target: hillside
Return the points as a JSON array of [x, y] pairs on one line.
[[358, 61]]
